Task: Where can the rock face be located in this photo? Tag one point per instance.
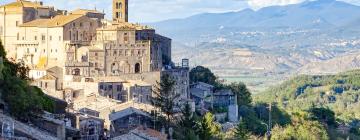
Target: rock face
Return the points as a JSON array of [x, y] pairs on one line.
[[28, 130]]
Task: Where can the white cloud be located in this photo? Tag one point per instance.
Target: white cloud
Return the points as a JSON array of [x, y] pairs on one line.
[[257, 4]]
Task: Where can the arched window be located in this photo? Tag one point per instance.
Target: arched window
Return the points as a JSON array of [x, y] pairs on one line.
[[115, 68], [137, 68], [120, 6]]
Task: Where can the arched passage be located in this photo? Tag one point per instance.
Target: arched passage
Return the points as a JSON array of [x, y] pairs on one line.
[[137, 68]]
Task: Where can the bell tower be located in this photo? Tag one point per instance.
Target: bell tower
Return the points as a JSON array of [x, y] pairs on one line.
[[120, 10]]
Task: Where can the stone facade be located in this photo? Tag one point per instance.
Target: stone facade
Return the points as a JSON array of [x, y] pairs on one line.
[[119, 49], [14, 14]]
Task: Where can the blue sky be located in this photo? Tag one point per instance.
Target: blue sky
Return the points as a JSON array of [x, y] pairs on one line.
[[157, 10]]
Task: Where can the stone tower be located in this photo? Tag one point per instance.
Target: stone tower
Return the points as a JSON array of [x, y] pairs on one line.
[[120, 10]]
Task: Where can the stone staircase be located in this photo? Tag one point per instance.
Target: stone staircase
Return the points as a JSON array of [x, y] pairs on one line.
[[28, 130]]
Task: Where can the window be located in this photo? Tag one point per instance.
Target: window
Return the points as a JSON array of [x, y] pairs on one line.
[[43, 37], [17, 23], [120, 6], [110, 87], [81, 24], [101, 86], [46, 84], [59, 38], [35, 37], [118, 87], [27, 50], [115, 52], [18, 36], [91, 24], [96, 54], [74, 24], [137, 68], [35, 50], [50, 38]]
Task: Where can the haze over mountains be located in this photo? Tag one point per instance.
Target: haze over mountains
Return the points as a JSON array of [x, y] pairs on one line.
[[277, 41]]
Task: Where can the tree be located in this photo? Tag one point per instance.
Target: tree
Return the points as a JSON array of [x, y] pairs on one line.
[[302, 128], [207, 127], [165, 97], [242, 93], [22, 99], [241, 132], [187, 120], [324, 115], [186, 124], [202, 74]]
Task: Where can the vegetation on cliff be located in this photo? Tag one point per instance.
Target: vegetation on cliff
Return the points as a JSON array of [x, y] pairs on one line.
[[23, 100]]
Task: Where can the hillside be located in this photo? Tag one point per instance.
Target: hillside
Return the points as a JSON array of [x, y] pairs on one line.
[[332, 66], [339, 92]]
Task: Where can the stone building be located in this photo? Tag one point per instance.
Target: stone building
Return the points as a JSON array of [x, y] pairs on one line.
[[14, 14], [119, 49], [224, 98], [43, 42], [39, 35], [130, 118]]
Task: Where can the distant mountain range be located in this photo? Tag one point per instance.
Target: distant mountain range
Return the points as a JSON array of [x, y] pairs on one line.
[[311, 36], [310, 14]]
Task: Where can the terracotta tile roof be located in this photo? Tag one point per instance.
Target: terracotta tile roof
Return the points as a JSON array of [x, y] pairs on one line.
[[24, 3], [142, 133], [36, 23], [57, 21], [151, 133], [84, 12], [48, 77]]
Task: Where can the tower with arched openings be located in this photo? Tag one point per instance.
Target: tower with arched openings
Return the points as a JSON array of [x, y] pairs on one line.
[[120, 10]]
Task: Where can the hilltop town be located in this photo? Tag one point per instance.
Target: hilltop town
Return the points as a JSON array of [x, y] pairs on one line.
[[102, 74]]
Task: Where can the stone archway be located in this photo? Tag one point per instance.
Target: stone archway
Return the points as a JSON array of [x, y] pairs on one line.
[[125, 66], [115, 68]]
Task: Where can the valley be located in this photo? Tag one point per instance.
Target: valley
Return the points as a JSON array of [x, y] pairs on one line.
[[271, 44]]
